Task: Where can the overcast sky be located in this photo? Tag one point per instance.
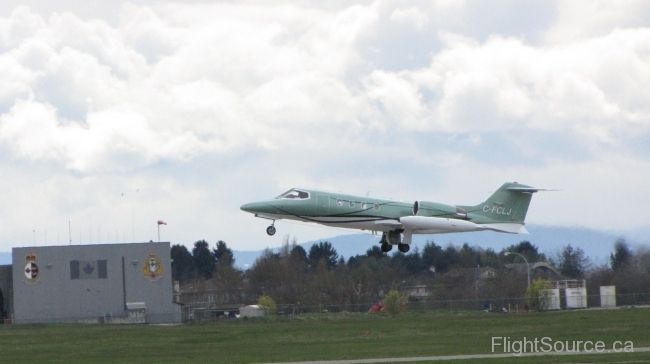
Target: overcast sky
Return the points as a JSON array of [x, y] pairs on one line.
[[115, 115]]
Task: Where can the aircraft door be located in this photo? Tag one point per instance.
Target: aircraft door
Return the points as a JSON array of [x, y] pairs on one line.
[[322, 205]]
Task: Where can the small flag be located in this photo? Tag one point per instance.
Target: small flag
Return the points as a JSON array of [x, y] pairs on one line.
[[160, 222]]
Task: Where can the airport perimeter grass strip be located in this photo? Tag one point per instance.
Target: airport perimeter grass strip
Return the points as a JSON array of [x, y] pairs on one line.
[[321, 337]]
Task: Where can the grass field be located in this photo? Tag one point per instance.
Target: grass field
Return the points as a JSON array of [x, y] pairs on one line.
[[325, 337]]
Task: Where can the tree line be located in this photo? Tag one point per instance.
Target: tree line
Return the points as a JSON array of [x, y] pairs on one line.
[[320, 276]]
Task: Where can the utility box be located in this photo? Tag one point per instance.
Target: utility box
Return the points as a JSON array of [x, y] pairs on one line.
[[575, 292], [576, 297], [137, 312], [607, 296]]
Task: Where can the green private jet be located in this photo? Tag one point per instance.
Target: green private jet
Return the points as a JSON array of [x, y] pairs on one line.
[[503, 212]]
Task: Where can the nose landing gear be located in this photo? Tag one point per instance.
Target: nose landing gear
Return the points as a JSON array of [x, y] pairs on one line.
[[271, 229]]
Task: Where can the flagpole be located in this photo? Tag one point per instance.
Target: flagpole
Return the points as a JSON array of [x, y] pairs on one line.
[[160, 222]]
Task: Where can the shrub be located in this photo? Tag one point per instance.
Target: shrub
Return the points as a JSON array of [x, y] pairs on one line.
[[267, 304], [395, 302], [538, 296]]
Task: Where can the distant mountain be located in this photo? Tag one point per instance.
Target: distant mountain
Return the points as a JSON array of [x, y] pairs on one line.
[[640, 235], [345, 245], [549, 239], [5, 258]]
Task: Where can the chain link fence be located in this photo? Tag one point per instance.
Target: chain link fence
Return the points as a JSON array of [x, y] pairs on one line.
[[213, 312]]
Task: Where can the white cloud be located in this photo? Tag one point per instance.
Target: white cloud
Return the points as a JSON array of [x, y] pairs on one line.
[[586, 19], [412, 15], [114, 139], [400, 100], [593, 88], [247, 77], [207, 106]]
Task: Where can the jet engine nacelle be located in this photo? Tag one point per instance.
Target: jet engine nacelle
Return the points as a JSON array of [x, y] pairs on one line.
[[424, 208], [416, 223]]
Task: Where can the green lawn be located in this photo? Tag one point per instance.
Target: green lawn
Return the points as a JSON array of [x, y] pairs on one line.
[[321, 337]]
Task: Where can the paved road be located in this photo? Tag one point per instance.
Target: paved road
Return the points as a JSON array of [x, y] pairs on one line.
[[452, 357]]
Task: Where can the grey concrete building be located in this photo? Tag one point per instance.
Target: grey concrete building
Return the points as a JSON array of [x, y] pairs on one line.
[[94, 282]]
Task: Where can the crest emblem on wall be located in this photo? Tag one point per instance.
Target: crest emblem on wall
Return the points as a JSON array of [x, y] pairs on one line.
[[31, 269], [153, 268]]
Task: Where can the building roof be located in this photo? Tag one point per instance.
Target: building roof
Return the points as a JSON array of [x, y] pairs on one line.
[[536, 266]]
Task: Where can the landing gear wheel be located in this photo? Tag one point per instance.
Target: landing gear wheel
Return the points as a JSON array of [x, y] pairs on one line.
[[404, 248], [385, 247], [270, 230]]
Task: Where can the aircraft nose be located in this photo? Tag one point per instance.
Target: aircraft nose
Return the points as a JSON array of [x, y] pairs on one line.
[[258, 207], [249, 207]]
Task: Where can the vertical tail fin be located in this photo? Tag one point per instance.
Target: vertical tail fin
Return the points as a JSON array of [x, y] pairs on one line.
[[509, 204]]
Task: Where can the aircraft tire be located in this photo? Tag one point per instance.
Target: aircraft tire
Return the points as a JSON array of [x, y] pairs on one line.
[[385, 247], [404, 248], [270, 230]]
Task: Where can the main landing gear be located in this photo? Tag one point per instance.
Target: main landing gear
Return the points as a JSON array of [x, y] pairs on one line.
[[271, 229], [393, 238], [385, 245]]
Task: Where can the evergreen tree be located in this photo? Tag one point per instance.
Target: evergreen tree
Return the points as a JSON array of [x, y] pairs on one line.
[[622, 256], [410, 263], [572, 262], [375, 252], [469, 257], [298, 254], [490, 258], [441, 259], [299, 261], [182, 263], [526, 249], [222, 254], [203, 259], [322, 251], [431, 254]]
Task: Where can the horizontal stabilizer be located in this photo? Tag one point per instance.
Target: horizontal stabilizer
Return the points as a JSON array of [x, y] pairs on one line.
[[507, 228], [528, 189]]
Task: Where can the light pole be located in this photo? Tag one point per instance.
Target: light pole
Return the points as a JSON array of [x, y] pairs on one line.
[[527, 265]]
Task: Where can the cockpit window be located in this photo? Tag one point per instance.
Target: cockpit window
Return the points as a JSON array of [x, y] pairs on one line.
[[295, 195]]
